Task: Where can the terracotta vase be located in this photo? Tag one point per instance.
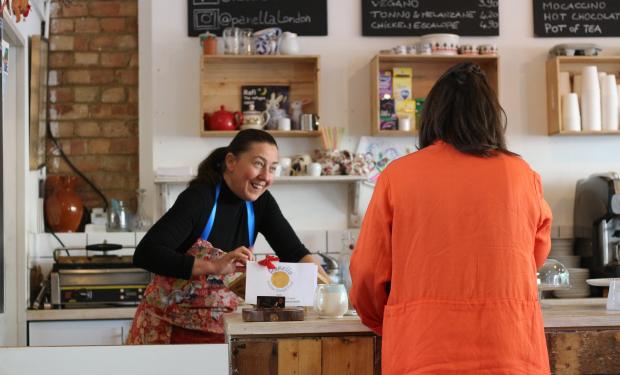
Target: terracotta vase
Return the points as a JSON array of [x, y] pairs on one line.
[[63, 207]]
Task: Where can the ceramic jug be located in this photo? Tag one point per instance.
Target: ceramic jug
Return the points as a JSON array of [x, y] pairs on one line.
[[289, 43], [63, 207], [253, 119]]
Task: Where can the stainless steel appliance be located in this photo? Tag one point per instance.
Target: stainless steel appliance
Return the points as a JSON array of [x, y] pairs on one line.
[[100, 280], [597, 224]]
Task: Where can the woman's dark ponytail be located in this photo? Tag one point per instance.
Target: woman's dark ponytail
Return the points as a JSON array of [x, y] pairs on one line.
[[210, 170]]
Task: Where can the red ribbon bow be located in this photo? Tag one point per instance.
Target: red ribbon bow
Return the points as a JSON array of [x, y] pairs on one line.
[[267, 261]]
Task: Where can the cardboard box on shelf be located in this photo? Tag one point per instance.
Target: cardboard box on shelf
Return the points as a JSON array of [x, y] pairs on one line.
[[402, 83]]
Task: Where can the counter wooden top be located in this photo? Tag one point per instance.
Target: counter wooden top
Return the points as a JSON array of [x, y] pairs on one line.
[[81, 314], [557, 313], [578, 313], [312, 325]]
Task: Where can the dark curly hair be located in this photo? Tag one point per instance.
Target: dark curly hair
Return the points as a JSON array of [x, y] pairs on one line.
[[210, 169], [463, 110]]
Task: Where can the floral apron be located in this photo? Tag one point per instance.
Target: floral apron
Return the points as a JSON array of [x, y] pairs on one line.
[[197, 304]]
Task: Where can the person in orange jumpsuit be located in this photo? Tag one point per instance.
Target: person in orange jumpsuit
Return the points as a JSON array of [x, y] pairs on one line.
[[445, 265]]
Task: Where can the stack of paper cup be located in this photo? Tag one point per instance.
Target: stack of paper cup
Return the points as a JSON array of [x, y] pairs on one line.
[[590, 99], [571, 120], [609, 103]]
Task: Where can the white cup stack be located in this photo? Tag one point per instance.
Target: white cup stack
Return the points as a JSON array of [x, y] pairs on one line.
[[571, 119], [590, 99], [609, 103]]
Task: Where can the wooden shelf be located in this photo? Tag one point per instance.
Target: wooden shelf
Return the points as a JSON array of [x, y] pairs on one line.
[[426, 70], [275, 133], [281, 179], [572, 65], [395, 133], [221, 78], [605, 132]]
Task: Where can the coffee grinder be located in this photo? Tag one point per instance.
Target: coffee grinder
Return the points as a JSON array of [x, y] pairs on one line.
[[597, 225]]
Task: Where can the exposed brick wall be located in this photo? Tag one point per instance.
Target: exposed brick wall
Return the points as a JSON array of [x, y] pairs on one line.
[[93, 64]]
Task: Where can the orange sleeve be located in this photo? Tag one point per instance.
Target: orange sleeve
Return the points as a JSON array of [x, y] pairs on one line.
[[371, 262], [542, 242]]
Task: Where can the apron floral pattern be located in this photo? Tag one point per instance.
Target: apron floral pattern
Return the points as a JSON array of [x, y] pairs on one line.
[[197, 304]]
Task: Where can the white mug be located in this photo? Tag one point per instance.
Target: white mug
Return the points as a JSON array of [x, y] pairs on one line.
[[314, 169], [284, 123], [278, 171], [286, 165]]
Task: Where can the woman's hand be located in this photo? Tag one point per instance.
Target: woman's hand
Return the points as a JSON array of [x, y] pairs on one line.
[[227, 263]]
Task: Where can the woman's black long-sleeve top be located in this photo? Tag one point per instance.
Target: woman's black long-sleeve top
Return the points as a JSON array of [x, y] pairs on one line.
[[162, 250]]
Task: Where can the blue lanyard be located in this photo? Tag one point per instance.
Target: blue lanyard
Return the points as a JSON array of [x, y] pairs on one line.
[[249, 207]]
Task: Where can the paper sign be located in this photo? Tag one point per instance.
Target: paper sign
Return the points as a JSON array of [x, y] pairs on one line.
[[295, 281]]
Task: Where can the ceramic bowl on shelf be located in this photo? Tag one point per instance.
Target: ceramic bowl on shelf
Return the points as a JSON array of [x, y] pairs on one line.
[[442, 44]]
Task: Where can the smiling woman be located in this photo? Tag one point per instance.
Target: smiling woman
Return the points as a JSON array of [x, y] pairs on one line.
[[197, 246]]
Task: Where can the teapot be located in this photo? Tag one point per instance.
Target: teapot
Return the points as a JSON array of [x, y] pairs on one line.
[[224, 120], [253, 119]]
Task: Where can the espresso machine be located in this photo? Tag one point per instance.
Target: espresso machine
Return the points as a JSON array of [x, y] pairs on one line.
[[597, 225]]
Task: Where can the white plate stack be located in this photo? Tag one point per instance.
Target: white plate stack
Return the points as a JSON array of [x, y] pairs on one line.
[[562, 251], [579, 287]]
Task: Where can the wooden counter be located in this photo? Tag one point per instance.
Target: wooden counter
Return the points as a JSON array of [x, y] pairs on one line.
[[310, 347], [582, 338]]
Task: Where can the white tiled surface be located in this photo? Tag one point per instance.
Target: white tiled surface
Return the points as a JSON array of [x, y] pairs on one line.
[[334, 239], [562, 231], [43, 244]]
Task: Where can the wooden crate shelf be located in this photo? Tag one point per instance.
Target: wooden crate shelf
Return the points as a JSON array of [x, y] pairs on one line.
[[221, 78], [573, 65], [426, 70], [275, 133]]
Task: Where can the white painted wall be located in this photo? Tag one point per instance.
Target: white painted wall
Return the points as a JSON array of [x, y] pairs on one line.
[[169, 66], [15, 172]]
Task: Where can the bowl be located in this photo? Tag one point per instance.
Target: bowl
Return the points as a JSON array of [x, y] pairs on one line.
[[442, 44]]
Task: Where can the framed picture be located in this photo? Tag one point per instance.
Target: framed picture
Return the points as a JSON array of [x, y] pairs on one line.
[[264, 97], [38, 101]]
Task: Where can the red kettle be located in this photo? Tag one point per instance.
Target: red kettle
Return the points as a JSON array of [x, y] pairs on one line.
[[224, 120]]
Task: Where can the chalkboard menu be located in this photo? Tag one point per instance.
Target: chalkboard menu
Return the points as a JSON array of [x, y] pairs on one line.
[[304, 17], [583, 18], [419, 17]]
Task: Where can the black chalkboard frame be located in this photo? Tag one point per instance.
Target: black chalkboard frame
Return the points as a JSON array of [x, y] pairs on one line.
[[563, 26], [484, 27], [257, 15]]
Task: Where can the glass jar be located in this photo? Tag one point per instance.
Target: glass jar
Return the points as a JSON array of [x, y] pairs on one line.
[[142, 221], [331, 301]]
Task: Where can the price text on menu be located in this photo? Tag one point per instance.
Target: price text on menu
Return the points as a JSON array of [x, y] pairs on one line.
[[585, 18], [419, 17]]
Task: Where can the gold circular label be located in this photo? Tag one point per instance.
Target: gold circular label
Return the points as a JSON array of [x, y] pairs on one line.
[[280, 279]]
